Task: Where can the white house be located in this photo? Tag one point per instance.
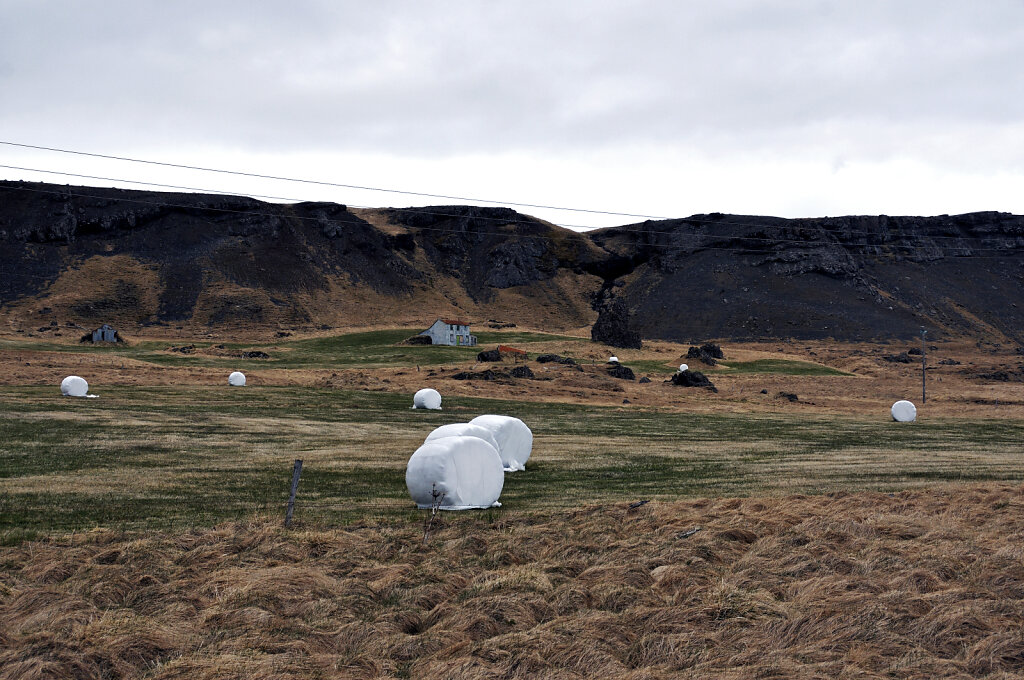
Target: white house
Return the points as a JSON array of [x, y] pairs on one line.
[[450, 332]]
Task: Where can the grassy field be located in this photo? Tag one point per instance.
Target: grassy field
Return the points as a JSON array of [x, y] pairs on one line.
[[370, 349], [166, 456], [141, 532]]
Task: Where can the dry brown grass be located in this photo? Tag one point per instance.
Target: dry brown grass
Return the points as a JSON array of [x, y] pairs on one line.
[[919, 584]]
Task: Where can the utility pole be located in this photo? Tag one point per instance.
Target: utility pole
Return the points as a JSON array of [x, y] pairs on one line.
[[924, 398]]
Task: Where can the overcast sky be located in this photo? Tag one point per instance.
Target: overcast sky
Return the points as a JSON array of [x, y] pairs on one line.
[[796, 108]]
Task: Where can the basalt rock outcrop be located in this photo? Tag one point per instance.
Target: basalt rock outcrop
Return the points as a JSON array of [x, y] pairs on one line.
[[137, 258]]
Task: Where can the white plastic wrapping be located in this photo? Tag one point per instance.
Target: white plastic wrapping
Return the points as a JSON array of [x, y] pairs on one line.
[[465, 472], [73, 386], [464, 430], [613, 360], [515, 440], [237, 379], [683, 367], [903, 411], [428, 399]]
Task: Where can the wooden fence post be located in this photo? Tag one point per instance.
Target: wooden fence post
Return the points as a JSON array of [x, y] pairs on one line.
[[291, 499]]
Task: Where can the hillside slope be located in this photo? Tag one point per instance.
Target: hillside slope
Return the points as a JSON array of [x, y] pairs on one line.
[[852, 278], [90, 255], [193, 262]]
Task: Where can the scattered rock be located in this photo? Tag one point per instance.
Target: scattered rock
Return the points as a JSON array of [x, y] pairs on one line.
[[1004, 375], [914, 351], [645, 380], [483, 375], [706, 353], [901, 358], [613, 327], [555, 359], [712, 350], [788, 395], [255, 354], [521, 372], [692, 379], [285, 334], [949, 362], [184, 349], [621, 372], [764, 391], [489, 355]]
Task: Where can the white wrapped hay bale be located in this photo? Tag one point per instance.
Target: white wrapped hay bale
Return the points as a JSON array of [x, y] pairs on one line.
[[613, 360], [903, 411], [464, 430], [237, 379], [515, 440], [683, 367], [464, 472], [73, 386], [428, 399]]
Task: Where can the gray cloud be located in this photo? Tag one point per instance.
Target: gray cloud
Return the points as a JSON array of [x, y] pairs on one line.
[[833, 81]]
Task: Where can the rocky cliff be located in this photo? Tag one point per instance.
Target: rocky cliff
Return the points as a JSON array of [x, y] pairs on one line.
[[87, 255], [843, 277]]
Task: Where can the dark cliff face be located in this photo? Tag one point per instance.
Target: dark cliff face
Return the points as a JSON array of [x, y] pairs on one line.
[[218, 259], [847, 277], [191, 240], [491, 249], [245, 260]]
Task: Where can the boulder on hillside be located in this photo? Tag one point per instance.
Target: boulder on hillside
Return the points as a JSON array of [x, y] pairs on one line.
[[712, 350], [692, 379], [555, 359], [621, 372], [613, 327], [701, 355], [901, 358], [489, 355], [482, 375], [521, 372]]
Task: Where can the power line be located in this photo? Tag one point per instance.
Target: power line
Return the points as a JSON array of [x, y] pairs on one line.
[[666, 246], [330, 184], [219, 192], [426, 211]]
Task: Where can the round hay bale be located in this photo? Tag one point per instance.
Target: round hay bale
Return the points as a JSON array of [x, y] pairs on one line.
[[903, 411], [236, 379], [463, 430], [73, 386], [683, 367], [463, 472], [427, 398], [515, 439], [613, 360]]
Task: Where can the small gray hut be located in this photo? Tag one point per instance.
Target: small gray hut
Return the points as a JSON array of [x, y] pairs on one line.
[[105, 333]]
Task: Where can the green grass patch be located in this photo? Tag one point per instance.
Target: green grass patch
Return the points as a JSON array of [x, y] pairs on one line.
[[370, 349], [144, 457], [780, 366]]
